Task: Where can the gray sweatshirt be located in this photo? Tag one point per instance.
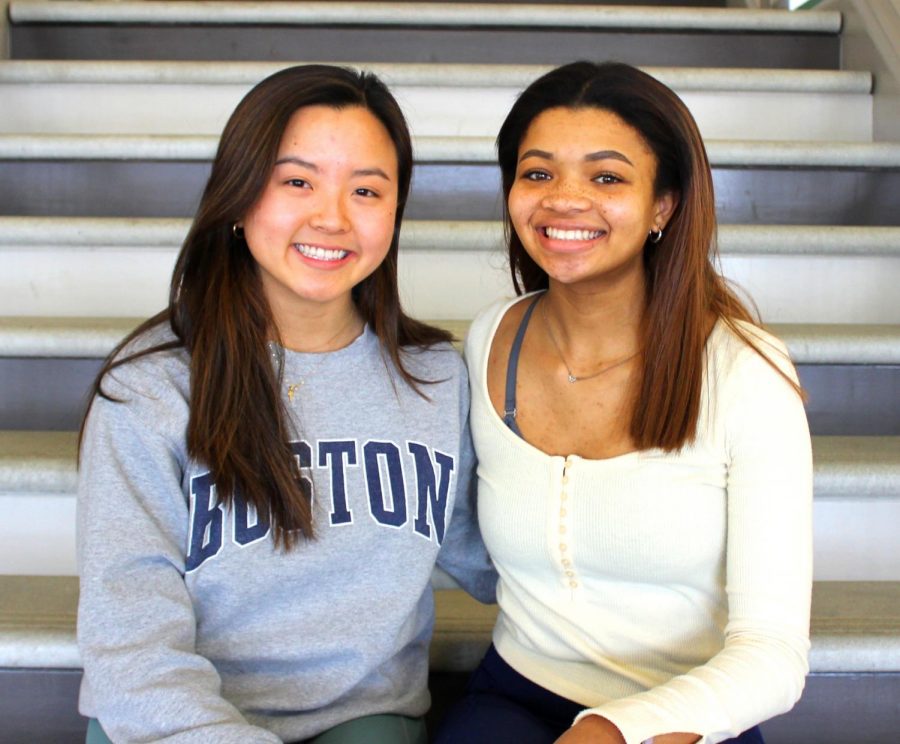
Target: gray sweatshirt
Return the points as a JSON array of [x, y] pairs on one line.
[[193, 627]]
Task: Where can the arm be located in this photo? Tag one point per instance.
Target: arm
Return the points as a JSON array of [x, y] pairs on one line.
[[463, 554], [136, 623], [761, 669]]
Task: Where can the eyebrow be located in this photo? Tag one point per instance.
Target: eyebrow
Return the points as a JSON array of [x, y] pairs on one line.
[[590, 157], [315, 169]]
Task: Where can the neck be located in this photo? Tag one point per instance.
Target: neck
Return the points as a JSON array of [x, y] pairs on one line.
[[324, 327], [592, 324]]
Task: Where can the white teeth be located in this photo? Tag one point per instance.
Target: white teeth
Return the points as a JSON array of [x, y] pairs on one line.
[[556, 234], [320, 254]]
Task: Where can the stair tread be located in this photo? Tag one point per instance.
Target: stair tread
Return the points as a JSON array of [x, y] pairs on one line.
[[80, 337], [681, 79], [185, 147], [855, 626], [845, 466], [426, 14], [425, 235]]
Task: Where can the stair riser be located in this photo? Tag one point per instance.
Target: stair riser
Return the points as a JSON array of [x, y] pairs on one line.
[[853, 538], [432, 111], [135, 188], [49, 394], [40, 706], [78, 281], [349, 44]]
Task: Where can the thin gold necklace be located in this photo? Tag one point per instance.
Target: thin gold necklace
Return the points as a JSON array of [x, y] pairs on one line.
[[277, 352], [571, 377]]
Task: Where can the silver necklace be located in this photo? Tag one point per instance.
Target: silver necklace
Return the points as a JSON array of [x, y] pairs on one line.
[[571, 377]]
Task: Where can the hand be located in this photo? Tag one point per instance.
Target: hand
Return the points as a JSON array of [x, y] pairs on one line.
[[592, 730]]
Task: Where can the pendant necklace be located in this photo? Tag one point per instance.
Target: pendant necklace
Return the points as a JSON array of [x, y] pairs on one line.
[[278, 354], [571, 377]]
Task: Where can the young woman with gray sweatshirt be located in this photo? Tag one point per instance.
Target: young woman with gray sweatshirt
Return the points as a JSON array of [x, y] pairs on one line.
[[272, 466]]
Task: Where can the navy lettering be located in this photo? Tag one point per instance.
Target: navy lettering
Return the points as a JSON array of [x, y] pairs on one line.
[[393, 514], [432, 492], [206, 522], [248, 527], [338, 454], [303, 459]]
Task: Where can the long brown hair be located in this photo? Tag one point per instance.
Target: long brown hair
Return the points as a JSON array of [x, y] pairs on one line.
[[684, 289], [218, 311]]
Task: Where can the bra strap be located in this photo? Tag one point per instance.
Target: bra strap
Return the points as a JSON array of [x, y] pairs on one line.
[[512, 368]]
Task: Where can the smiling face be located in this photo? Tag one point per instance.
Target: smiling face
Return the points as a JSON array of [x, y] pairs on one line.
[[325, 219], [582, 201]]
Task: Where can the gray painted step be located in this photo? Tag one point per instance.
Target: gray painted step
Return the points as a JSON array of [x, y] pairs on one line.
[[396, 74], [851, 372], [134, 97], [145, 176], [856, 509], [66, 233], [94, 338], [414, 14], [860, 468], [425, 32], [855, 626], [852, 622]]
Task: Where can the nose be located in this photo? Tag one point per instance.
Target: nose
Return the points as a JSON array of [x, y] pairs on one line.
[[564, 195], [329, 215]]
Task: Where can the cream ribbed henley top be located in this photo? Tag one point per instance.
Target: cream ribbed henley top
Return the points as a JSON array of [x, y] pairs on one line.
[[665, 591]]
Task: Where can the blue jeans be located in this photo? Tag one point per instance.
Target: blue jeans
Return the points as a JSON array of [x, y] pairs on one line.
[[503, 707]]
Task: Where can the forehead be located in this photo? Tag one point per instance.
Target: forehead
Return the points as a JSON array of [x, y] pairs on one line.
[[354, 129], [584, 129]]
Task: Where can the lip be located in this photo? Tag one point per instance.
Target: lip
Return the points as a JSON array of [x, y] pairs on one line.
[[326, 261], [589, 235]]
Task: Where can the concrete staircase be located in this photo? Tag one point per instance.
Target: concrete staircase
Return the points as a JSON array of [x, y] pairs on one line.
[[109, 114]]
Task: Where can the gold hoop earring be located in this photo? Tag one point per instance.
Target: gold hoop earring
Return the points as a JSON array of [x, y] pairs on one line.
[[656, 236]]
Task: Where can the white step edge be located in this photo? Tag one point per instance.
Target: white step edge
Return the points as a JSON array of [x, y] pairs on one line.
[[56, 233], [131, 72], [424, 14], [855, 467], [94, 338], [473, 150], [855, 625]]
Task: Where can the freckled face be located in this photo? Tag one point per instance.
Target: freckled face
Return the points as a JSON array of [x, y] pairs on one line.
[[325, 219], [582, 201]]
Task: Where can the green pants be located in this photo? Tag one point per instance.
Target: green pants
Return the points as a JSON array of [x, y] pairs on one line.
[[380, 729]]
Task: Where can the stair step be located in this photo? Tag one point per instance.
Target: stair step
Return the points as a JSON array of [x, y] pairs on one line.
[[41, 233], [862, 468], [140, 97], [416, 14], [856, 483], [468, 150], [410, 74], [455, 177], [435, 32], [851, 372], [795, 274], [855, 626], [808, 343]]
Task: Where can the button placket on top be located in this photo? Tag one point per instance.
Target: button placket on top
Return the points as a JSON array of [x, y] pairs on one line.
[[561, 525]]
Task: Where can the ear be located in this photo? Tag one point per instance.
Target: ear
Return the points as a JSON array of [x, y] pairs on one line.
[[665, 206]]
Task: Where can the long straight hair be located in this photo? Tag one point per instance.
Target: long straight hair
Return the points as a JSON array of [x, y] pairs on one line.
[[683, 286], [218, 311]]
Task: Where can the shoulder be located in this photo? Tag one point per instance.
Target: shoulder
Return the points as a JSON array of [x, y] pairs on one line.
[[737, 347], [439, 361], [751, 375], [149, 367], [499, 320]]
